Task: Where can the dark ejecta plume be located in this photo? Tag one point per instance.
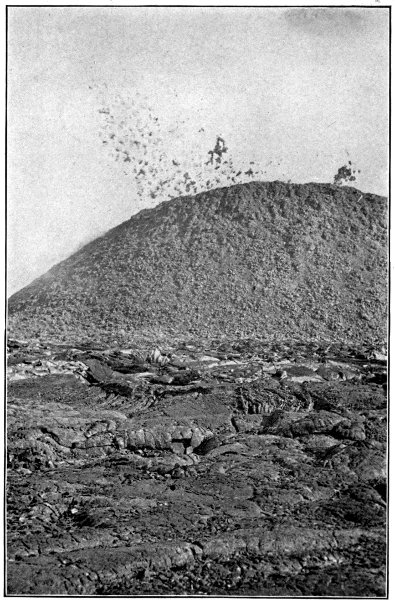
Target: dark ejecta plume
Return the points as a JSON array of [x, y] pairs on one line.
[[135, 138]]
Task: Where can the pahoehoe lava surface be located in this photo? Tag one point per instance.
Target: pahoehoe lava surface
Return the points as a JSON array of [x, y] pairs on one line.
[[257, 259], [207, 475]]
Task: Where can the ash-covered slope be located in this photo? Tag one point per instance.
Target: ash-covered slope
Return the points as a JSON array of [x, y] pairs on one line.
[[258, 259]]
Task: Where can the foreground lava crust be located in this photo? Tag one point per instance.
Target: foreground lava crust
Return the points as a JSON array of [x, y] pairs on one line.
[[209, 450]]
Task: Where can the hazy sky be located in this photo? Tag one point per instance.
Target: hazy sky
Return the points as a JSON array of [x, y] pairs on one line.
[[299, 91]]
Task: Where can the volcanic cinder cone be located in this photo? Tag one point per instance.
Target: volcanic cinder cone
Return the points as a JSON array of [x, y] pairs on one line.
[[257, 259]]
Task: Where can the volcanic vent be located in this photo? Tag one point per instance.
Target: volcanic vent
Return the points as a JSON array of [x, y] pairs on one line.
[[256, 259]]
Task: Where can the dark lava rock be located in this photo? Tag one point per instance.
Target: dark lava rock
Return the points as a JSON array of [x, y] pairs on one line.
[[255, 259], [207, 446], [98, 371], [256, 487]]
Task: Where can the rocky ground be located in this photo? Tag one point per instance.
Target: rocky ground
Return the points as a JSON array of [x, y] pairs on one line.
[[244, 468], [267, 260]]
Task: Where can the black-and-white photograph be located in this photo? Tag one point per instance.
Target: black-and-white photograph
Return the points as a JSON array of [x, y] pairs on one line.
[[197, 300]]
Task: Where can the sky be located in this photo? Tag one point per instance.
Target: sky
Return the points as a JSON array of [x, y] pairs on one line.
[[297, 92]]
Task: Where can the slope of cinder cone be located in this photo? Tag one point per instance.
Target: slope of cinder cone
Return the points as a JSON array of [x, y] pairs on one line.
[[257, 259]]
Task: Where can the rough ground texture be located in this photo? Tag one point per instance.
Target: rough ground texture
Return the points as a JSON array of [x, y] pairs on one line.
[[233, 469], [264, 259]]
